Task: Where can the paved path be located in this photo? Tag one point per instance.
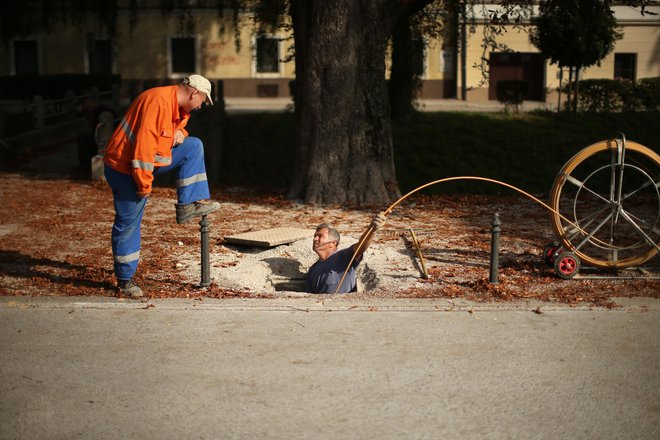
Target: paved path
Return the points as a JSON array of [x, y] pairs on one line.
[[251, 105], [303, 368]]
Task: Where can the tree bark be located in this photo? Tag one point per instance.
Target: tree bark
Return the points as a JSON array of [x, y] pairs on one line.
[[569, 102], [403, 80], [344, 151], [576, 98]]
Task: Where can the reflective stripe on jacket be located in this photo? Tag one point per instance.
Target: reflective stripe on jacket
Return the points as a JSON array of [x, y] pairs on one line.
[[144, 138]]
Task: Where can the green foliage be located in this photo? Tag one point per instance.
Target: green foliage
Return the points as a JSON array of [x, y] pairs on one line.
[[606, 95], [26, 17], [525, 150], [258, 150], [512, 92], [616, 95], [647, 92], [575, 33]]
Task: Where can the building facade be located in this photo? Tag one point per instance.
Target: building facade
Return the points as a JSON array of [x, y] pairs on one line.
[[151, 48]]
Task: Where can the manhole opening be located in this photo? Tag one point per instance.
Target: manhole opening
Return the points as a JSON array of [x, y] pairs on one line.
[[367, 278], [260, 268]]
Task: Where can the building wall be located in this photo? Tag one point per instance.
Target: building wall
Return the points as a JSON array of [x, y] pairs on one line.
[[69, 60], [639, 39], [641, 35], [142, 55]]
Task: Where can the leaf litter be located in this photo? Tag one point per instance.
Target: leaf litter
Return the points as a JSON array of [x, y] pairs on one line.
[[56, 242]]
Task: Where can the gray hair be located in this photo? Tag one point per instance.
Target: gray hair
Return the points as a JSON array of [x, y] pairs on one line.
[[332, 232]]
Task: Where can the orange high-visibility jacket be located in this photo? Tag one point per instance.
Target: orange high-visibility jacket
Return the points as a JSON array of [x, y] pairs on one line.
[[144, 138]]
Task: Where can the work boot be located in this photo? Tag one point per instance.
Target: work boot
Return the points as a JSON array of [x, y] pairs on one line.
[[185, 213], [129, 288]]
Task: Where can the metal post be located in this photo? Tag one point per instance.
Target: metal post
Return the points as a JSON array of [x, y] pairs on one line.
[[96, 95], [70, 104], [561, 79], [38, 112], [116, 98], [495, 249], [206, 273], [463, 52]]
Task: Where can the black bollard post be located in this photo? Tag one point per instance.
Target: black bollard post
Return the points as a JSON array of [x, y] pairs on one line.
[[495, 249], [206, 273]]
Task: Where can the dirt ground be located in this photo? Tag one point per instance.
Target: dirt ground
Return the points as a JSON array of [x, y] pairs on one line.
[[55, 240]]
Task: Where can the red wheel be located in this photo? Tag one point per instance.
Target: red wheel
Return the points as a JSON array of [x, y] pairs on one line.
[[567, 265], [550, 251]]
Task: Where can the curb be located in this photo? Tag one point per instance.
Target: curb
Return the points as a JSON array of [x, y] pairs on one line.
[[318, 305]]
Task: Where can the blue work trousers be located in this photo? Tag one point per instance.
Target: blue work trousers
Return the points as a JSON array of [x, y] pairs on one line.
[[192, 185]]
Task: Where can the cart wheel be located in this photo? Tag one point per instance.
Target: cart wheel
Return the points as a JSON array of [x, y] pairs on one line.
[[549, 253], [607, 204], [567, 265]]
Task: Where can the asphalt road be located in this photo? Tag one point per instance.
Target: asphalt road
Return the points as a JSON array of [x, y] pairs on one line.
[[306, 369]]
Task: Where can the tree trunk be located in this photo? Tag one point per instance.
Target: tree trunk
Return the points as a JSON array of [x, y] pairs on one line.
[[344, 151], [561, 80], [569, 93], [403, 82], [577, 89]]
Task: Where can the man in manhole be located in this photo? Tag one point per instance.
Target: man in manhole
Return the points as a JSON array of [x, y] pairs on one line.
[[325, 275]]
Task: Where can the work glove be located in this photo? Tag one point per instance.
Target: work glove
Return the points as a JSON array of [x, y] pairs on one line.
[[378, 221]]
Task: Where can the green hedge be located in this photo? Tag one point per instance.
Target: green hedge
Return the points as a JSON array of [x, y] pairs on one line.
[[617, 95], [526, 149], [647, 92], [605, 95]]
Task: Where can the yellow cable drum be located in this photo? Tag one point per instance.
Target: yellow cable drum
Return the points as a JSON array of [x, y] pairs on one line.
[[606, 204]]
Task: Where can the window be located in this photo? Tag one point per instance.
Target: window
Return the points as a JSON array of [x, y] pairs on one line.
[[26, 57], [183, 55], [268, 55], [100, 56], [625, 66], [446, 64]]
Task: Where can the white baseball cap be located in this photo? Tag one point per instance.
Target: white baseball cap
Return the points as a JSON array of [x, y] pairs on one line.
[[200, 83]]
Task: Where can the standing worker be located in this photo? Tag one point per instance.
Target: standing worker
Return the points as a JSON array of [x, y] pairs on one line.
[[151, 139]]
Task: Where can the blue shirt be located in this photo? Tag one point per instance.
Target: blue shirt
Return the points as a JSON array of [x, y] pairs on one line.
[[324, 276]]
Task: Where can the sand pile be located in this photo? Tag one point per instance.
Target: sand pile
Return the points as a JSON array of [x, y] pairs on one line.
[[385, 266]]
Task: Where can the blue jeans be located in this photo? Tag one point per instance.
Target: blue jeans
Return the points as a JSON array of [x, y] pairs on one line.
[[192, 185]]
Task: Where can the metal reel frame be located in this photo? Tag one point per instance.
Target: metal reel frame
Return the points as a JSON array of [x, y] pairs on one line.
[[613, 211]]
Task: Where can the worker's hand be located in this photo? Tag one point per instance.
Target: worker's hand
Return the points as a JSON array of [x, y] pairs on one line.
[[142, 194], [378, 221], [178, 138]]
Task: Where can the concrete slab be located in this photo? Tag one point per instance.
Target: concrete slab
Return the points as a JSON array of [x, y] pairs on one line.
[[270, 237], [70, 373]]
